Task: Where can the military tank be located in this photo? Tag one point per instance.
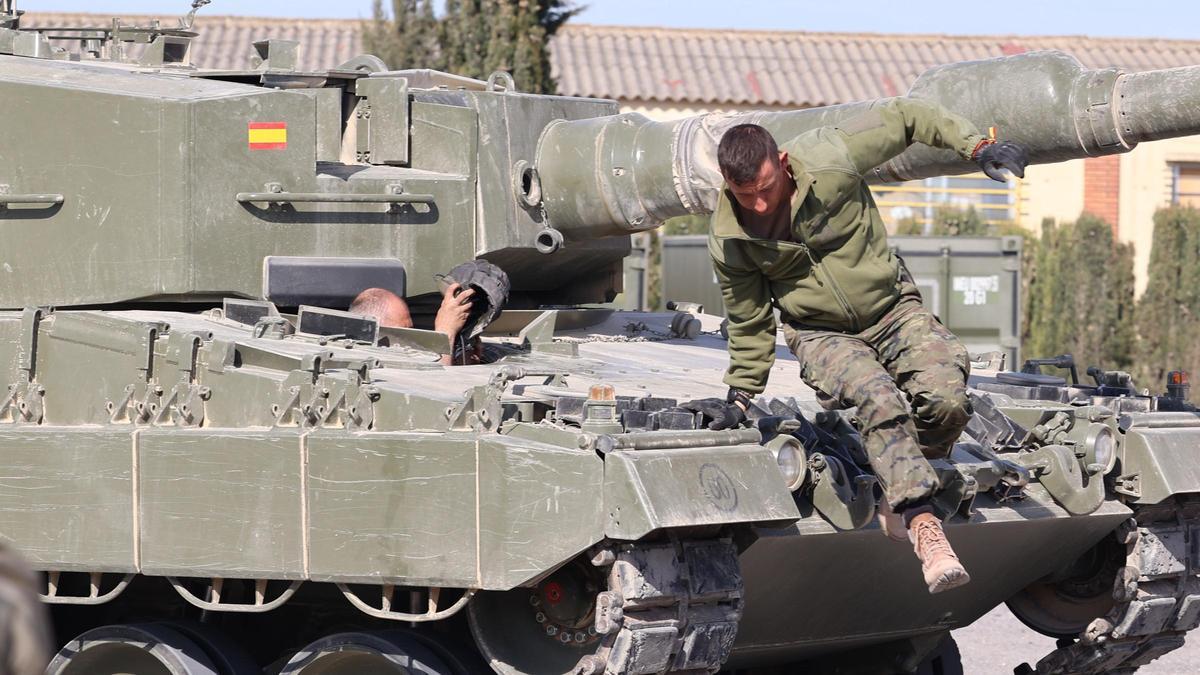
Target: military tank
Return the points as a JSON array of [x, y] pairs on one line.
[[217, 469]]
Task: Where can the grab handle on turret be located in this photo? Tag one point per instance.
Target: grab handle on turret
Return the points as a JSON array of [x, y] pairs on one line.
[[9, 199], [331, 198], [275, 195]]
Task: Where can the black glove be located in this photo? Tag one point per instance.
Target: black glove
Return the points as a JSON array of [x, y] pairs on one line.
[[723, 415], [994, 157]]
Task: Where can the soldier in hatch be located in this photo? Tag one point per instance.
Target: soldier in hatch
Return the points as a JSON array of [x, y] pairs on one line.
[[796, 229], [473, 295]]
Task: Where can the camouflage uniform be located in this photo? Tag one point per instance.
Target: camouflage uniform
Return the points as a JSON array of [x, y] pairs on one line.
[[906, 355], [856, 321]]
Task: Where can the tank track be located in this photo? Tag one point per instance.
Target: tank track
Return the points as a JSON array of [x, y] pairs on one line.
[[1157, 595], [672, 607]]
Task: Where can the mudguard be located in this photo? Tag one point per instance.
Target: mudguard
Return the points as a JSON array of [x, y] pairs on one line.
[[1159, 463], [647, 490]]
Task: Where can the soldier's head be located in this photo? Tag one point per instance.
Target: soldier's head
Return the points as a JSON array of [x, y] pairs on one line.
[[754, 168], [389, 309]]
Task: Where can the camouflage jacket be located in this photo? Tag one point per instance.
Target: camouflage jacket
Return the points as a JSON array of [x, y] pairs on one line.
[[839, 273]]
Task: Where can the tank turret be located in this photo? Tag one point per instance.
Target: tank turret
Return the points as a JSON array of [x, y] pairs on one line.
[[138, 178]]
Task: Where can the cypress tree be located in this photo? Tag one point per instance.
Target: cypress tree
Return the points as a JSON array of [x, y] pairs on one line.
[[501, 44], [536, 21], [408, 38], [448, 36], [1121, 347], [463, 33], [1033, 256], [1082, 296], [1169, 311], [473, 38], [1041, 323]]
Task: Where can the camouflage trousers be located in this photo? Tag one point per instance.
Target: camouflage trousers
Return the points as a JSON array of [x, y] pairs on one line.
[[907, 376]]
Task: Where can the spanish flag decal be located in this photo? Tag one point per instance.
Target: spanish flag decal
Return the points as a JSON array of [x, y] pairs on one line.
[[268, 135]]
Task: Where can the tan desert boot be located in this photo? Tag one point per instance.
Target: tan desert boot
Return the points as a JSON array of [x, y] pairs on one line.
[[890, 522], [938, 562]]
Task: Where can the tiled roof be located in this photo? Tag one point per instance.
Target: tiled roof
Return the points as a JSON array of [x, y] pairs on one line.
[[798, 69], [691, 67]]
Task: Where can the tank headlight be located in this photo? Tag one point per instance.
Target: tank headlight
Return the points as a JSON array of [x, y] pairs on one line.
[[791, 459], [1101, 446]]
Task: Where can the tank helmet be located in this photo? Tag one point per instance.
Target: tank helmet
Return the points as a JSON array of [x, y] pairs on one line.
[[491, 292]]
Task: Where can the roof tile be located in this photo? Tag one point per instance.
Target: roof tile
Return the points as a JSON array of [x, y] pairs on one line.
[[707, 68]]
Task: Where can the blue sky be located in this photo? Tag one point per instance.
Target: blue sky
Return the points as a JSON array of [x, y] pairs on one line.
[[1146, 18]]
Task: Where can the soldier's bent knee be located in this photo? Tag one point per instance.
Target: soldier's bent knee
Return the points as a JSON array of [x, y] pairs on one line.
[[946, 412]]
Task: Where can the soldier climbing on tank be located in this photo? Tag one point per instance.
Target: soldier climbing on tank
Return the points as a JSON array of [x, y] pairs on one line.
[[796, 229], [473, 295]]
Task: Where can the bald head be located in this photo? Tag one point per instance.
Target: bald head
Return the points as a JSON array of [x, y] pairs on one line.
[[389, 309]]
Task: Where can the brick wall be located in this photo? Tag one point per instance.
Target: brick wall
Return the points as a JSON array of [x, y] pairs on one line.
[[1102, 188]]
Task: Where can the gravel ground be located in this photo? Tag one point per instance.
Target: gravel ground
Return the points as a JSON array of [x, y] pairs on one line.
[[998, 642]]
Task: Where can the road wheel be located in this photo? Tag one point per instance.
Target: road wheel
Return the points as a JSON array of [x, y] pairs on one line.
[[1062, 605], [384, 653], [228, 657], [546, 629], [136, 649]]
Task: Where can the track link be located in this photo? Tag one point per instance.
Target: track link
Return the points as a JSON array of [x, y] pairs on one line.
[[1157, 596], [669, 608]]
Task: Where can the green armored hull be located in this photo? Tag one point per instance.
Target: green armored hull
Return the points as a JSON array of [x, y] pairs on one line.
[[217, 470]]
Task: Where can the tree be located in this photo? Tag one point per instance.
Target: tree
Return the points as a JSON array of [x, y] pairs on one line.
[[535, 22], [1169, 311], [409, 38], [473, 38], [1081, 295], [464, 40]]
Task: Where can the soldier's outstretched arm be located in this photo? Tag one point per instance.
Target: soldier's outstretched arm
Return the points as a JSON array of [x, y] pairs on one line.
[[751, 326], [886, 130]]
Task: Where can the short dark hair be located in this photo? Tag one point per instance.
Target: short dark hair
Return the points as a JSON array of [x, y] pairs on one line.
[[743, 150]]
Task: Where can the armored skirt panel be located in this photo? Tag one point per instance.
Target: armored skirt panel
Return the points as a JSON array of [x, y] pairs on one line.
[[182, 446], [274, 504]]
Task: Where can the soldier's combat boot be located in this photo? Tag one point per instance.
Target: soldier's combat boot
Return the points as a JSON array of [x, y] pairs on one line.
[[890, 522], [939, 564]]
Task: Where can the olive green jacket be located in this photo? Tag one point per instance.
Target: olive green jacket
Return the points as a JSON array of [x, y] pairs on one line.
[[839, 274]]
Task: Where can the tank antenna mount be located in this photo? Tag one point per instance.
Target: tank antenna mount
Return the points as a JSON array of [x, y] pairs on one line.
[[186, 22]]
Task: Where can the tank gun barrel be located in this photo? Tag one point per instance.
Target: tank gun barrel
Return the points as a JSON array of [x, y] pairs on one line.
[[616, 175], [1160, 104]]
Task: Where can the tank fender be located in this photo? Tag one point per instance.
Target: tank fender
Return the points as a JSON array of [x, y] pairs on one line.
[[1158, 463], [647, 490]]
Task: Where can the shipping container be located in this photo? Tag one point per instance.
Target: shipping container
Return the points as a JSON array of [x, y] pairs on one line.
[[973, 284]]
